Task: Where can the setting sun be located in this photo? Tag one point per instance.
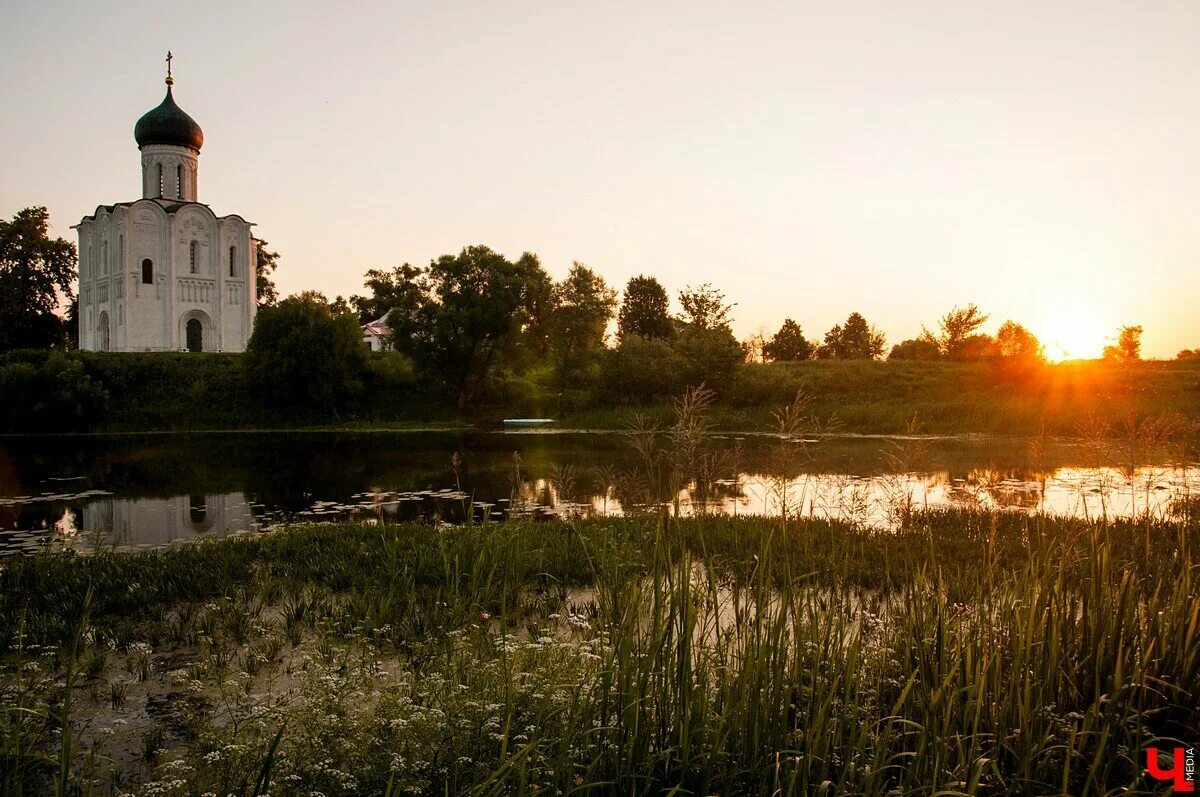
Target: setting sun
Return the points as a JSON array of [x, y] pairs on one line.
[[1072, 335]]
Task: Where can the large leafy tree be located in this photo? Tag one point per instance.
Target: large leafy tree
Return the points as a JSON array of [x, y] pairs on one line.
[[958, 329], [1016, 342], [708, 351], [398, 289], [788, 344], [1128, 347], [853, 340], [264, 282], [644, 310], [473, 309], [582, 305], [305, 358], [37, 274], [923, 348]]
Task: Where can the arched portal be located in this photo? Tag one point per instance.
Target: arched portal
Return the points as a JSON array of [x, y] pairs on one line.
[[195, 335], [196, 332], [103, 342]]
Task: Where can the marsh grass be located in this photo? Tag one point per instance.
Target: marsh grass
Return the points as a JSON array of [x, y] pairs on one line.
[[969, 652]]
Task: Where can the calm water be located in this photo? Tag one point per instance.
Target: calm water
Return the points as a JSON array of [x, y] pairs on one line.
[[163, 489]]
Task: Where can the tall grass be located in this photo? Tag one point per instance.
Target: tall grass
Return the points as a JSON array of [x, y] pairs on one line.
[[967, 652]]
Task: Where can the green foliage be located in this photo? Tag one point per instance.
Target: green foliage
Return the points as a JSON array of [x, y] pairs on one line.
[[788, 344], [705, 307], [708, 356], [35, 272], [305, 359], [55, 394], [472, 310], [853, 340], [641, 369], [399, 289], [958, 339], [922, 349], [644, 310], [581, 306], [265, 265]]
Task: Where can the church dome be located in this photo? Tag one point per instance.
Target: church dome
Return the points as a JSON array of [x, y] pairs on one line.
[[168, 124]]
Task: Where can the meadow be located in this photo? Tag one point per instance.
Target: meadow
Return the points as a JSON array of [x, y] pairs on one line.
[[967, 652]]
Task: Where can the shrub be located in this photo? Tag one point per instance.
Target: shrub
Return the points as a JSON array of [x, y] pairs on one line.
[[304, 359], [55, 395], [641, 369]]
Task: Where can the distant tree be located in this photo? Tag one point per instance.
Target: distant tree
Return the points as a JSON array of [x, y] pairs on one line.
[[853, 340], [1128, 347], [788, 344], [473, 311], [37, 273], [388, 290], [1014, 341], [581, 307], [754, 344], [705, 307], [922, 349], [1188, 354], [974, 348], [956, 327], [264, 283], [303, 357], [644, 310]]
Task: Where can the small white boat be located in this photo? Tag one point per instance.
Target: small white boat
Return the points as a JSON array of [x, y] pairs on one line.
[[527, 421]]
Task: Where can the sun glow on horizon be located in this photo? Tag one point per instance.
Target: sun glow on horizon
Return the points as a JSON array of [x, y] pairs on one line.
[[1074, 334]]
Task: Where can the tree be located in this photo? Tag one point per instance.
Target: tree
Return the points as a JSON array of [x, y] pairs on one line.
[[644, 310], [923, 349], [473, 309], [788, 344], [1128, 347], [36, 274], [705, 307], [265, 265], [642, 369], [399, 288], [956, 326], [1015, 342], [582, 305], [974, 348], [303, 357], [854, 340], [1188, 354]]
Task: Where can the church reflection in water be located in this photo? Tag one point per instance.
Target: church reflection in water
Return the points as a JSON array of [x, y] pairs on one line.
[[164, 521]]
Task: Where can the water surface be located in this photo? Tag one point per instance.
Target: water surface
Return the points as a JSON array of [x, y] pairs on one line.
[[152, 490]]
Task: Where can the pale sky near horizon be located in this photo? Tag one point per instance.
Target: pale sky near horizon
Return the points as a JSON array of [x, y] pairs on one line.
[[1041, 159]]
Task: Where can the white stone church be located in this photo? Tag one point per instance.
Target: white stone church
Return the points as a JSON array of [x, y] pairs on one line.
[[165, 273]]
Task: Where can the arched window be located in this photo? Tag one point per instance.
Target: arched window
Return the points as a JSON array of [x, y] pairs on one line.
[[233, 261], [160, 179], [104, 257], [147, 272], [192, 256], [179, 181], [120, 254]]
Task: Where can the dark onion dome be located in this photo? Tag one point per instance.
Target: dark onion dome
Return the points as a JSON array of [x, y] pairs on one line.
[[168, 124]]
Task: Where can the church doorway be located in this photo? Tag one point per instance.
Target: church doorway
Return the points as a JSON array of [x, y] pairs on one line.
[[195, 335], [102, 340]]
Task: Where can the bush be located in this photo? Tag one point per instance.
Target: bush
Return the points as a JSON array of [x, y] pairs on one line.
[[710, 355], [305, 360], [55, 395], [641, 370]]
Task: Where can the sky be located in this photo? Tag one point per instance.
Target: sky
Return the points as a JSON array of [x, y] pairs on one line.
[[1039, 159]]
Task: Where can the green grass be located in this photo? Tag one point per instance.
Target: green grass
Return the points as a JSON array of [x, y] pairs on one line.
[[965, 653], [943, 398], [89, 391]]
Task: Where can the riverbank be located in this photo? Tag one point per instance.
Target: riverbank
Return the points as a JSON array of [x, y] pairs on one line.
[[968, 651], [96, 392]]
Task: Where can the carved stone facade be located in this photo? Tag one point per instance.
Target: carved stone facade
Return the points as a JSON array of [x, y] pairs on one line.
[[165, 273]]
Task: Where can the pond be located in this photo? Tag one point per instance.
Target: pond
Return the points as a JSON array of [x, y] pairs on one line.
[[154, 490]]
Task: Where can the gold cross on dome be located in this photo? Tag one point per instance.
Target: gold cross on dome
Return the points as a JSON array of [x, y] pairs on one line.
[[169, 57]]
